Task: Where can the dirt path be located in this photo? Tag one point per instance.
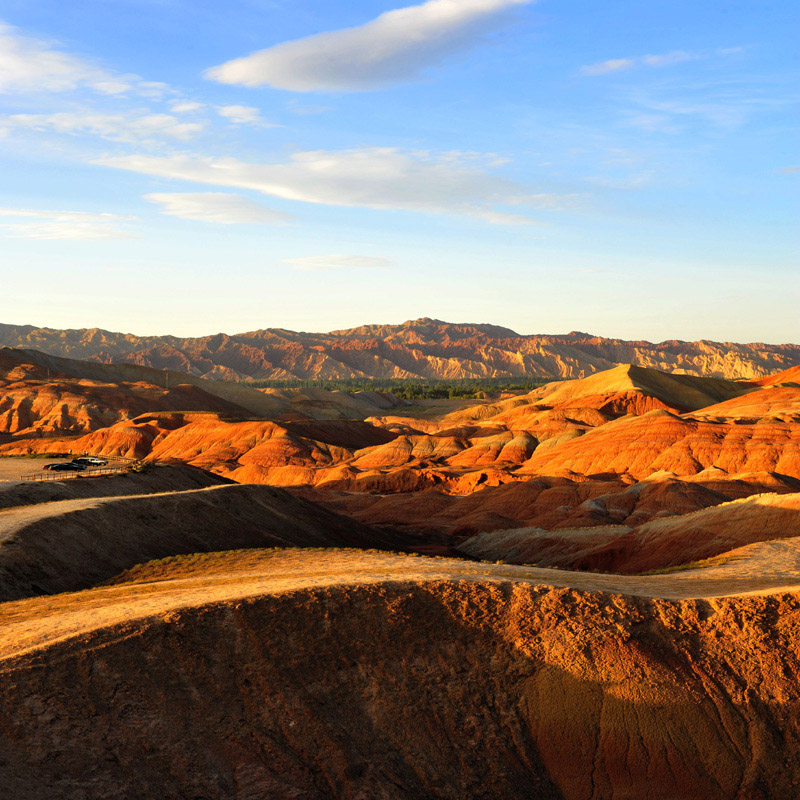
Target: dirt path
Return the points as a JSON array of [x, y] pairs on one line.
[[27, 625]]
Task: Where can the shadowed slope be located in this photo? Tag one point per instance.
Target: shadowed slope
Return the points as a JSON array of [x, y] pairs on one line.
[[174, 478], [74, 544], [664, 543]]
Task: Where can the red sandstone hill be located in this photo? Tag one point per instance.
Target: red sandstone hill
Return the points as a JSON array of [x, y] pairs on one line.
[[37, 400], [609, 449], [43, 395], [418, 348], [789, 377], [660, 544]]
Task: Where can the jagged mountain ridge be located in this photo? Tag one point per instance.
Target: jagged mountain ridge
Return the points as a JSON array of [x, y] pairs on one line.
[[422, 348]]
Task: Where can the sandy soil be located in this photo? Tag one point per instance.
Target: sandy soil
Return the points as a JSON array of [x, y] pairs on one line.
[[12, 468], [27, 625]]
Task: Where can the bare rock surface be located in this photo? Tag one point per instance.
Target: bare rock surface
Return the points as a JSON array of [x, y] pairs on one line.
[[417, 348]]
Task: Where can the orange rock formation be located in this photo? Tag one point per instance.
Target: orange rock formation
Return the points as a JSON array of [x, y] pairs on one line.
[[417, 348], [617, 448]]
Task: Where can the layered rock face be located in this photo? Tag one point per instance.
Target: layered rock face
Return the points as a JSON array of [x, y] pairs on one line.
[[45, 396], [660, 544], [619, 447], [418, 348], [415, 686], [36, 400]]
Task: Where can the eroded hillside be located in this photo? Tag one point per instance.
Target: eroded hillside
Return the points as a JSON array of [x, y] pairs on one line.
[[46, 396], [618, 448], [353, 675], [418, 348]]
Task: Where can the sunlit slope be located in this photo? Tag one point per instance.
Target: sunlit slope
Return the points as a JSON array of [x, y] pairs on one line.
[[778, 401], [428, 348], [41, 381], [626, 389]]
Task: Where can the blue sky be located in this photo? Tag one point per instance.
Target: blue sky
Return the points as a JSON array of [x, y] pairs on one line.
[[629, 169]]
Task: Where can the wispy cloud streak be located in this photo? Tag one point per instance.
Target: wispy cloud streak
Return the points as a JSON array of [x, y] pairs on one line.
[[393, 48]]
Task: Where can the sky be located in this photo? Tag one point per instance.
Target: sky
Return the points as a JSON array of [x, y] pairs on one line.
[[627, 169]]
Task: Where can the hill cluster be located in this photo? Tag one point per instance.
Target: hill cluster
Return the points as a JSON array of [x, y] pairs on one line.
[[590, 590], [44, 395], [617, 448], [422, 348]]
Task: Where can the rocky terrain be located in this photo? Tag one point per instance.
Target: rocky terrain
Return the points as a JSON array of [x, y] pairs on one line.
[[616, 448], [45, 396], [425, 347], [622, 619], [65, 545], [658, 545], [344, 674]]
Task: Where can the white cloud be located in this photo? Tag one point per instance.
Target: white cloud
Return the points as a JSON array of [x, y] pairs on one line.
[[185, 106], [604, 67], [31, 65], [620, 64], [381, 178], [27, 64], [635, 180], [395, 47], [502, 218], [658, 123], [219, 207], [725, 112], [65, 224], [243, 115], [790, 170], [338, 261], [131, 127]]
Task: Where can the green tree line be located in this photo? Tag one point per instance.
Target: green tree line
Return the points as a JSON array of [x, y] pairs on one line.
[[411, 389]]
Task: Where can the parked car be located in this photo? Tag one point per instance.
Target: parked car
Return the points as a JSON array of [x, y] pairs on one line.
[[66, 466], [90, 461]]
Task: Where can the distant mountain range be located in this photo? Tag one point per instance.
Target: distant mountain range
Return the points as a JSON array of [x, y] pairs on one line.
[[422, 348]]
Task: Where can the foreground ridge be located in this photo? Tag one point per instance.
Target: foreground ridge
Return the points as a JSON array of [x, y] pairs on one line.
[[460, 680]]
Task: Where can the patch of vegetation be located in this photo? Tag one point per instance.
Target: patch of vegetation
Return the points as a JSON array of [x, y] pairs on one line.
[[411, 389], [193, 564]]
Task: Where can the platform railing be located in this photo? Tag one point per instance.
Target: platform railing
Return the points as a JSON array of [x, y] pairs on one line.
[[89, 472]]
